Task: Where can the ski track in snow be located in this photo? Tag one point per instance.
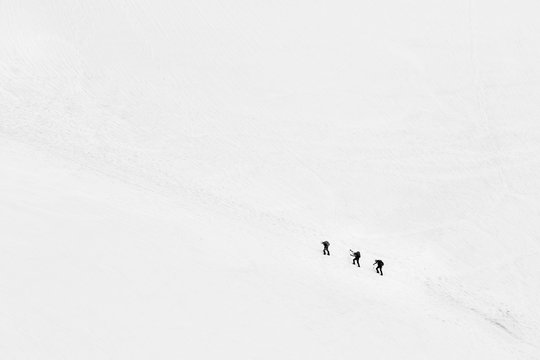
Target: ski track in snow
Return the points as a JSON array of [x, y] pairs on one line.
[[170, 169]]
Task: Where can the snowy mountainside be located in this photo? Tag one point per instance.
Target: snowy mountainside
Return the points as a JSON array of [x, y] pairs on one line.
[[170, 169]]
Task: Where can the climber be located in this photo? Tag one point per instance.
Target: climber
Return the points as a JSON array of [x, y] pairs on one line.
[[356, 255], [326, 244], [379, 264]]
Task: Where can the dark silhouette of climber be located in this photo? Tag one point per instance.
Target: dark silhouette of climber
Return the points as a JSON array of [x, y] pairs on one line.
[[356, 255], [379, 264], [325, 251]]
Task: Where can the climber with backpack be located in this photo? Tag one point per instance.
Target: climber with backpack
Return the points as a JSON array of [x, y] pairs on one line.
[[326, 244], [356, 257], [379, 264]]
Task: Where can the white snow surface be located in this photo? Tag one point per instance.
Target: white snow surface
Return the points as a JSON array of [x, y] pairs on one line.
[[169, 169]]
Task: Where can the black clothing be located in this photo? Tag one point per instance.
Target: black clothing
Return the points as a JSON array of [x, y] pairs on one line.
[[356, 256], [379, 264], [326, 244]]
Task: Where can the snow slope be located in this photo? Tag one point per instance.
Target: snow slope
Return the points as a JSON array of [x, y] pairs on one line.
[[169, 169]]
